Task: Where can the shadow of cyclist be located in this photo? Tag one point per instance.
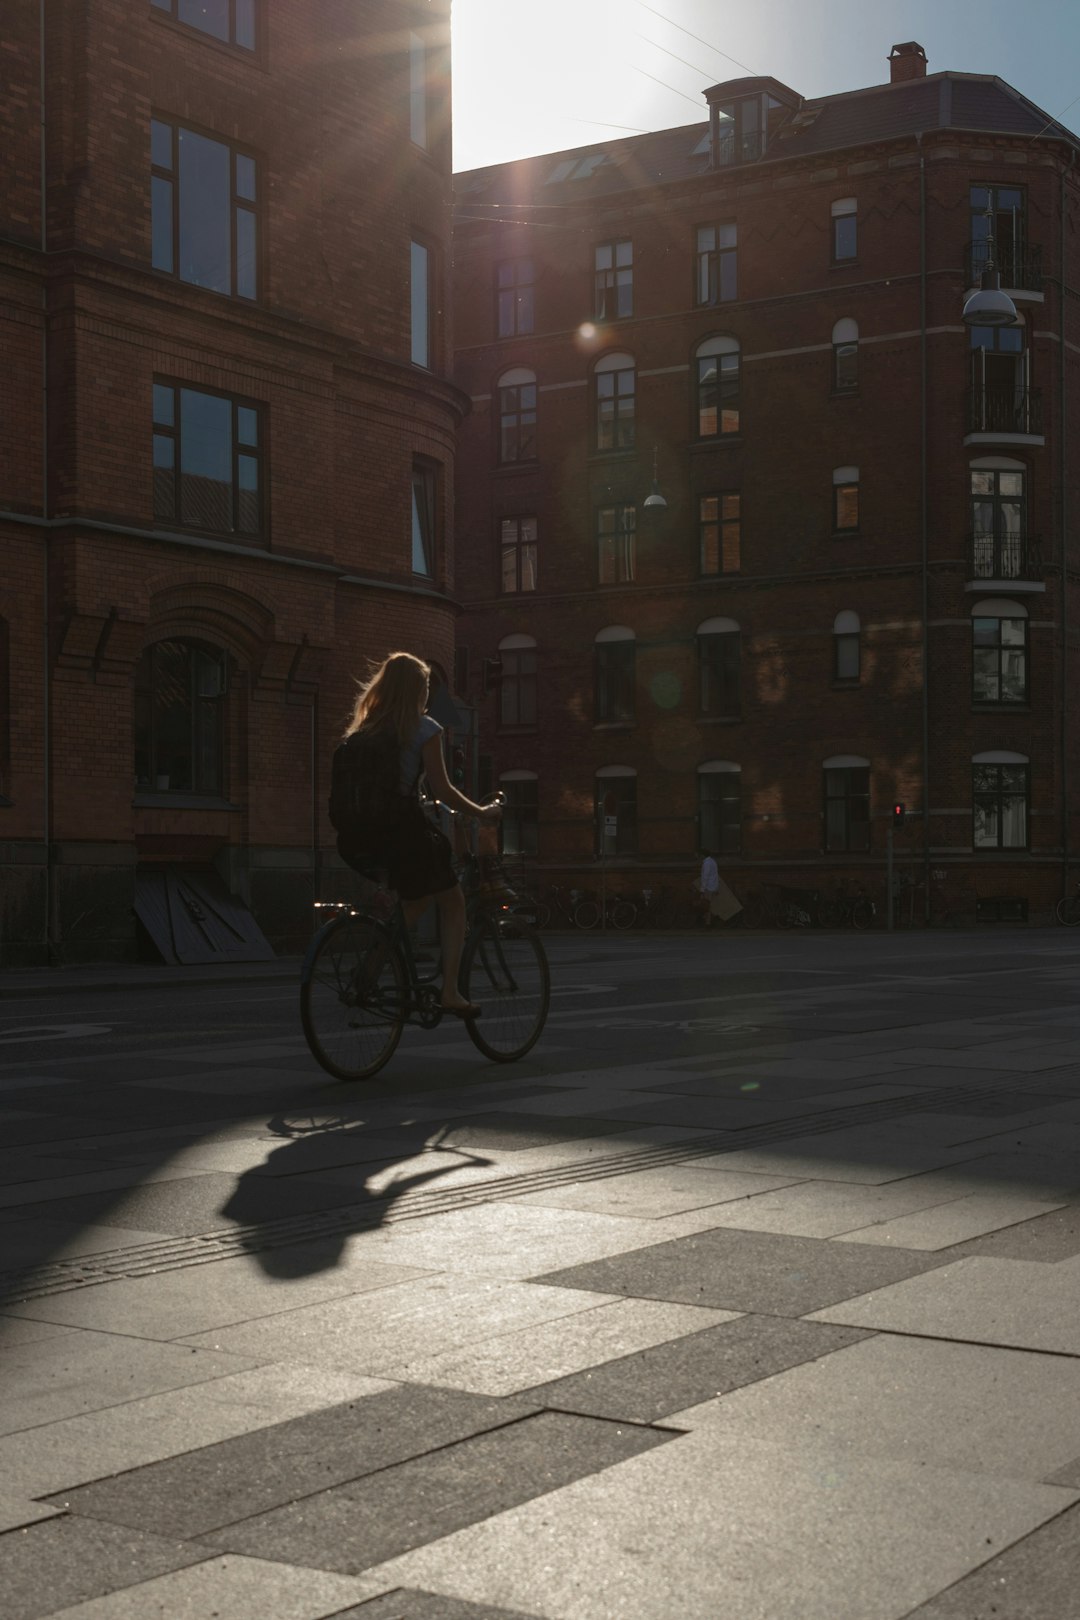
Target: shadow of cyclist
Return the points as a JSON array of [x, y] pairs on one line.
[[361, 1190]]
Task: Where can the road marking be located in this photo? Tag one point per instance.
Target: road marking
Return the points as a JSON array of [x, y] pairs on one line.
[[53, 1032]]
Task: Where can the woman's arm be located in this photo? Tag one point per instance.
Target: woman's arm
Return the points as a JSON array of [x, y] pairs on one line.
[[444, 789]]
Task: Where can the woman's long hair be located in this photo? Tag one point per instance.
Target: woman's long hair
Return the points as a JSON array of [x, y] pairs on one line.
[[393, 696]]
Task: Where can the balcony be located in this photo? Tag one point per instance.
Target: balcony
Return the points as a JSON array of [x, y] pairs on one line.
[[1018, 265], [1015, 559], [1004, 413], [739, 148]]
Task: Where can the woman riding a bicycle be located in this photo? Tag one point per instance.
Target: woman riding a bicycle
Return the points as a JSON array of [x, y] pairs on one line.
[[390, 708]]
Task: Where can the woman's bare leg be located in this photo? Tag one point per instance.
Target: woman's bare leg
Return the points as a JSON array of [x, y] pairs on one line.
[[451, 904]]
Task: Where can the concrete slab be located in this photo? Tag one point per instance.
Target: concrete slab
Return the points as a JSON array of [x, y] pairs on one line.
[[1006, 1302], [25, 1244], [766, 1532], [1048, 1239], [16, 1512], [412, 1604], [1037, 1579], [946, 1224], [170, 1303], [744, 1271], [230, 1589], [869, 1159], [536, 1355], [62, 1562], [393, 1326], [1004, 1413], [14, 1331], [652, 1194], [821, 1209], [75, 1450]]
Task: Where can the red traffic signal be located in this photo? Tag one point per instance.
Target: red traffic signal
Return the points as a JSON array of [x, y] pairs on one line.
[[899, 814]]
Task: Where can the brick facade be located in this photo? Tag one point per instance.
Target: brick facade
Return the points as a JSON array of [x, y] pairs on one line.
[[900, 153], [324, 352]]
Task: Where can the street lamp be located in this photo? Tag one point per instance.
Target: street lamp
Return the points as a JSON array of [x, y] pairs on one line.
[[656, 500], [989, 306]]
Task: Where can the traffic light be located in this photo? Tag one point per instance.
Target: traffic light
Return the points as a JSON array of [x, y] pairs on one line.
[[899, 814]]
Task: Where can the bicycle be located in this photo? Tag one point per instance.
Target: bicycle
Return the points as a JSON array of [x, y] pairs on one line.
[[1067, 910], [360, 986], [617, 910], [656, 909], [558, 907], [770, 909], [847, 908]]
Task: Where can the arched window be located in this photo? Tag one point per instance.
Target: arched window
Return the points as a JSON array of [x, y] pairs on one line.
[[614, 388], [517, 415], [845, 348], [999, 651], [180, 696], [614, 655], [845, 229], [845, 500], [720, 807], [616, 810], [517, 686], [1000, 542], [847, 804], [846, 637], [5, 713], [718, 645], [518, 828], [717, 387], [1000, 795]]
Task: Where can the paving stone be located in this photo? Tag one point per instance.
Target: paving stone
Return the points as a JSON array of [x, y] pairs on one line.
[[649, 1194], [1048, 1238], [229, 1589], [14, 1331], [411, 1604], [655, 1382], [821, 1209], [947, 1224], [24, 1244], [1037, 1579], [63, 1561], [404, 1506], [18, 1511], [869, 1158], [765, 1532], [392, 1326], [984, 1301], [84, 1372], [167, 1304], [1005, 1413], [74, 1450], [514, 1132], [240, 1478], [746, 1271], [734, 1113], [510, 1362], [1007, 1103]]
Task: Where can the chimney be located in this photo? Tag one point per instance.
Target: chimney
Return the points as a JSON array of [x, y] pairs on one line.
[[907, 62]]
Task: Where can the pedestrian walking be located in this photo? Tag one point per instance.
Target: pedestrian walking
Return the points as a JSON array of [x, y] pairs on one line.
[[718, 904]]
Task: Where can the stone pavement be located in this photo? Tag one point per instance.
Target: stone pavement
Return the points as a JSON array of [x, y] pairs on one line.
[[751, 1294]]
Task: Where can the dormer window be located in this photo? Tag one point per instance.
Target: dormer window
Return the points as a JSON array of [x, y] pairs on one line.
[[744, 115]]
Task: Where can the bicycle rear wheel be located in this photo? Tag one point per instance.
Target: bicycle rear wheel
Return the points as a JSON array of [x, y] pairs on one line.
[[586, 914], [1067, 910], [862, 914], [505, 971], [623, 914], [352, 998]]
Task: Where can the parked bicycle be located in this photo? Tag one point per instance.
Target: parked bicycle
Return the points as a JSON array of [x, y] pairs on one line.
[[775, 908], [655, 909], [1067, 910], [360, 984], [847, 907], [617, 910]]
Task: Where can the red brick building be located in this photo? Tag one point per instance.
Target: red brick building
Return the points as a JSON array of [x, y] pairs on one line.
[[226, 436], [861, 590]]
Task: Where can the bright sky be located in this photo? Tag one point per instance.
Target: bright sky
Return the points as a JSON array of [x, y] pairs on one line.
[[539, 75]]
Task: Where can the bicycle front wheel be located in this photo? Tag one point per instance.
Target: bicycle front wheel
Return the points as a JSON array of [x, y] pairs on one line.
[[352, 998], [586, 914], [505, 971], [623, 914], [1067, 910], [862, 914]]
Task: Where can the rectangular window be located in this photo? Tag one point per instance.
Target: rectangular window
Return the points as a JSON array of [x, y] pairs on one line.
[[614, 298], [720, 811], [998, 231], [515, 297], [616, 815], [423, 519], [615, 403], [846, 652], [616, 544], [207, 461], [204, 211], [230, 21], [615, 684], [519, 826], [718, 673], [847, 809], [517, 539], [517, 688], [999, 658], [1000, 801], [418, 91], [179, 717], [845, 230], [720, 533], [717, 280], [845, 508], [420, 283], [517, 421]]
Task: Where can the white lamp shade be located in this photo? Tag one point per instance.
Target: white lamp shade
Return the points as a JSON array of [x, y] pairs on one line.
[[989, 307]]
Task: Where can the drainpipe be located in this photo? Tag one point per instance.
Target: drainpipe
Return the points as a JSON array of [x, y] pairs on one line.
[[46, 741], [1063, 540], [924, 519]]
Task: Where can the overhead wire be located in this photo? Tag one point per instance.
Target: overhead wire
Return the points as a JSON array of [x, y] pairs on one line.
[[707, 43]]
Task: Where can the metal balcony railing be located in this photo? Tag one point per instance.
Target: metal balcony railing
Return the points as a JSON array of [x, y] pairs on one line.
[[1005, 556], [996, 409], [735, 148], [1019, 265]]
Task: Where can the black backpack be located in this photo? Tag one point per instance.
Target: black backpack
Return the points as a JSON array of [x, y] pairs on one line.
[[366, 801]]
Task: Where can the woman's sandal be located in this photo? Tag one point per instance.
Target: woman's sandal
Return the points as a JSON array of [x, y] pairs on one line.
[[468, 1011]]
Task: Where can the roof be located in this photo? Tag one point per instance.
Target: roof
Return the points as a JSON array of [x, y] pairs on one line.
[[940, 101]]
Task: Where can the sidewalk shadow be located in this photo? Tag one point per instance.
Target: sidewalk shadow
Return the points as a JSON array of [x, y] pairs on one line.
[[310, 1146]]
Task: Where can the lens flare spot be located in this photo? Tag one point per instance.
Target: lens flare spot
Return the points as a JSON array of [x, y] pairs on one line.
[[586, 332], [750, 1085], [666, 690]]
